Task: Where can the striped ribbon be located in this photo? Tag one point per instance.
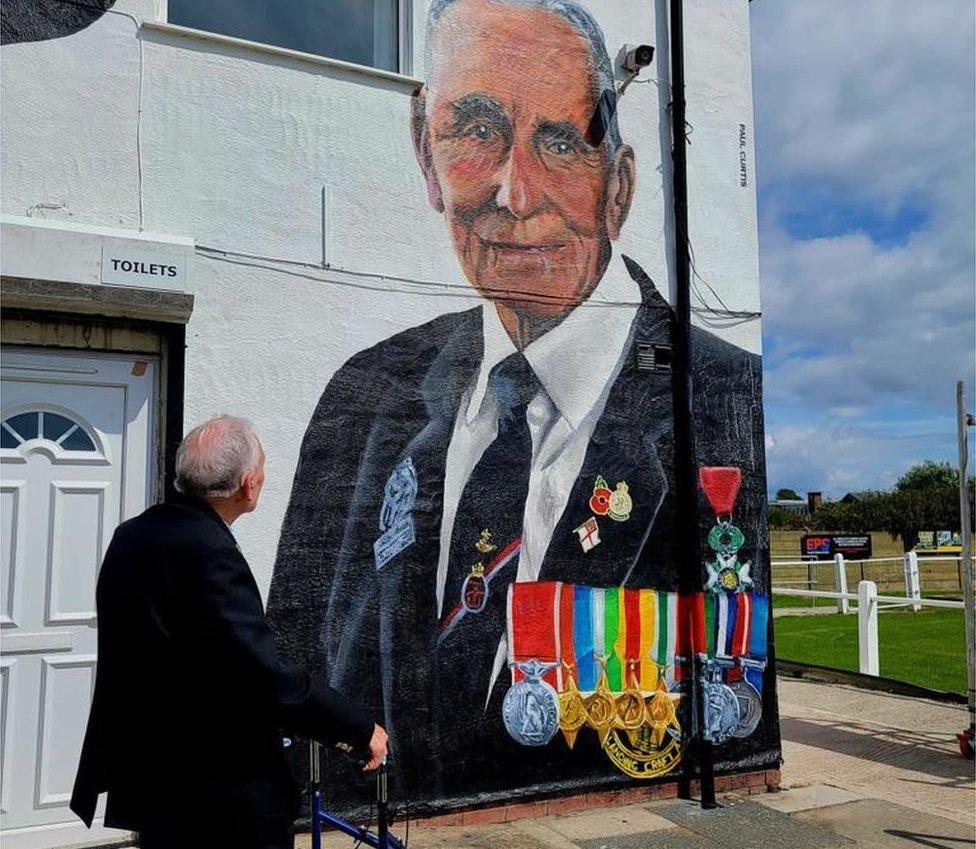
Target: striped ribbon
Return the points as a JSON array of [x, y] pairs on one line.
[[758, 638], [634, 632]]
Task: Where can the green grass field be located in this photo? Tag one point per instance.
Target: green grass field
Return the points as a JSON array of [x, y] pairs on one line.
[[926, 648]]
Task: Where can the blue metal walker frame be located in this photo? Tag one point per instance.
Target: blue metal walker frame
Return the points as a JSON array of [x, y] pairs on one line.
[[382, 839]]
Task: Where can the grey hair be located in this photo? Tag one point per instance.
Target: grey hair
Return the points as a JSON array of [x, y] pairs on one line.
[[214, 457], [588, 29]]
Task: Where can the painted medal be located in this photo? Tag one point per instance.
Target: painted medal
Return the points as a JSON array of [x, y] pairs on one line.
[[601, 709], [750, 707], [531, 707], [721, 711], [572, 711]]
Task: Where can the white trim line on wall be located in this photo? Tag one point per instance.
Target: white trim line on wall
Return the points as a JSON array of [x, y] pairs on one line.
[[411, 83]]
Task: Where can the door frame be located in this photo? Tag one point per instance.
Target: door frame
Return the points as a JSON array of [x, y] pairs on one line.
[[65, 318]]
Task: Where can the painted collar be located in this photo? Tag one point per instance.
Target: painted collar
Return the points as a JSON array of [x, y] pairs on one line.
[[577, 360]]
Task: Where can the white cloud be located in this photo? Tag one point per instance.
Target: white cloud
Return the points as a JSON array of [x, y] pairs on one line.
[[874, 100]]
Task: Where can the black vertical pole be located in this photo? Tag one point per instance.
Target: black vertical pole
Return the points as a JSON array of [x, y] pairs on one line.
[[685, 471]]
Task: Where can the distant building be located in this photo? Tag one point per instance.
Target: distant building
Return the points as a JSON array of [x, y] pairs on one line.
[[857, 497], [794, 505]]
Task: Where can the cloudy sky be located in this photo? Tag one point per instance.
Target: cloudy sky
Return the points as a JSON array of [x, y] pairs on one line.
[[865, 134]]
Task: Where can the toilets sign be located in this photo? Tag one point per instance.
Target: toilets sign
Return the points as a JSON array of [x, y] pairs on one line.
[[144, 268]]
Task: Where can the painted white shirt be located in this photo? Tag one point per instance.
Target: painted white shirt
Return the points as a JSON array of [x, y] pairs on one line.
[[577, 363]]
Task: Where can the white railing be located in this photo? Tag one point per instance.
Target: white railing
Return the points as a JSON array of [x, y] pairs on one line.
[[868, 603], [910, 561]]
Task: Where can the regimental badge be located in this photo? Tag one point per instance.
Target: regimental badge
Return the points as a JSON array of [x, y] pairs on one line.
[[396, 518], [620, 503], [656, 747], [530, 709], [589, 534], [474, 591], [615, 503], [484, 543]]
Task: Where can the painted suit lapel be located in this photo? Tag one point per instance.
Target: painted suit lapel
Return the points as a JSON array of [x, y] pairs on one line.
[[407, 581], [631, 444]]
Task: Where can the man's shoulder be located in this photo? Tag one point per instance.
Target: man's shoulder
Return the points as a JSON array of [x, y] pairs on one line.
[[709, 350], [171, 522], [397, 366], [412, 349]]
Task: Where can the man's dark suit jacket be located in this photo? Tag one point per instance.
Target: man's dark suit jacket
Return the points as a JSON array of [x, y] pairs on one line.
[[189, 690], [374, 628]]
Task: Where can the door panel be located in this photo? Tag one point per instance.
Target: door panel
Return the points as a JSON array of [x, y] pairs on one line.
[[77, 454]]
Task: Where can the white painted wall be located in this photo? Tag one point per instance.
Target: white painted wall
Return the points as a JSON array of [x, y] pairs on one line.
[[233, 147]]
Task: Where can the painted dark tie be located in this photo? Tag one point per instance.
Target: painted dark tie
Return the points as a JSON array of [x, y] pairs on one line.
[[494, 501]]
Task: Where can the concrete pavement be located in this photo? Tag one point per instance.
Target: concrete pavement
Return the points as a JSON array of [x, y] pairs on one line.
[[861, 769]]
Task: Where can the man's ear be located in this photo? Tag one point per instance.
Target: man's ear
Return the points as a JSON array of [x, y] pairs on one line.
[[420, 133], [248, 485], [621, 182]]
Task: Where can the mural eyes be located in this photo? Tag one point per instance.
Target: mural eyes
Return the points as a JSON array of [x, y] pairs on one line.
[[481, 132], [560, 148]]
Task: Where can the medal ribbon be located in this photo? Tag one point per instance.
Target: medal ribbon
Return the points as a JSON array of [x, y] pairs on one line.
[[632, 638], [567, 641], [457, 613], [599, 602], [758, 638], [711, 618], [721, 487], [583, 637], [675, 628], [612, 627], [647, 653], [741, 631], [533, 626]]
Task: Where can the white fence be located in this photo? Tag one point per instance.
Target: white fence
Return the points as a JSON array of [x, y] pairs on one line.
[[910, 563], [868, 604]]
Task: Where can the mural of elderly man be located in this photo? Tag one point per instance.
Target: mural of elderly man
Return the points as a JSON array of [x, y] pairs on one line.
[[519, 440]]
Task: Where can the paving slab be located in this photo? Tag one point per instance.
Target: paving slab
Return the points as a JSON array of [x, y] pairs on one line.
[[609, 822], [876, 745], [804, 798], [746, 825], [676, 839], [504, 836], [884, 825]]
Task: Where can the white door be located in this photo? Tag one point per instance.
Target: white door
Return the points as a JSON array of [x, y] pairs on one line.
[[77, 456]]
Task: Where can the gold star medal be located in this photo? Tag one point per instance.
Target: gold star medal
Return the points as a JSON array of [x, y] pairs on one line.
[[572, 711], [661, 713], [630, 711], [601, 709]]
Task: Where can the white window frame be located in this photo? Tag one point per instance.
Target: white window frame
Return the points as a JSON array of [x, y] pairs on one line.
[[404, 37]]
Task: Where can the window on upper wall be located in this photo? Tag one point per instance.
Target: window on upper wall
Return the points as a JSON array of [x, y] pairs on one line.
[[362, 31]]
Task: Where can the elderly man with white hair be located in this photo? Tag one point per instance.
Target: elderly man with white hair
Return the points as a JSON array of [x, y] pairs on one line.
[[190, 694]]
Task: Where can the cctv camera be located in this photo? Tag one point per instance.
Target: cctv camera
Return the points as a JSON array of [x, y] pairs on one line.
[[637, 56]]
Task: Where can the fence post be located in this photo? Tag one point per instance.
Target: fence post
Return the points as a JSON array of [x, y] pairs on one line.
[[867, 627], [913, 588], [840, 572]]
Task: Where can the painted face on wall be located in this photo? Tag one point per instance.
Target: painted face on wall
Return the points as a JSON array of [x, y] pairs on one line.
[[501, 137]]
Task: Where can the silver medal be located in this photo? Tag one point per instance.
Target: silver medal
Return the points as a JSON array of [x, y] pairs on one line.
[[721, 711], [750, 707], [531, 707]]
